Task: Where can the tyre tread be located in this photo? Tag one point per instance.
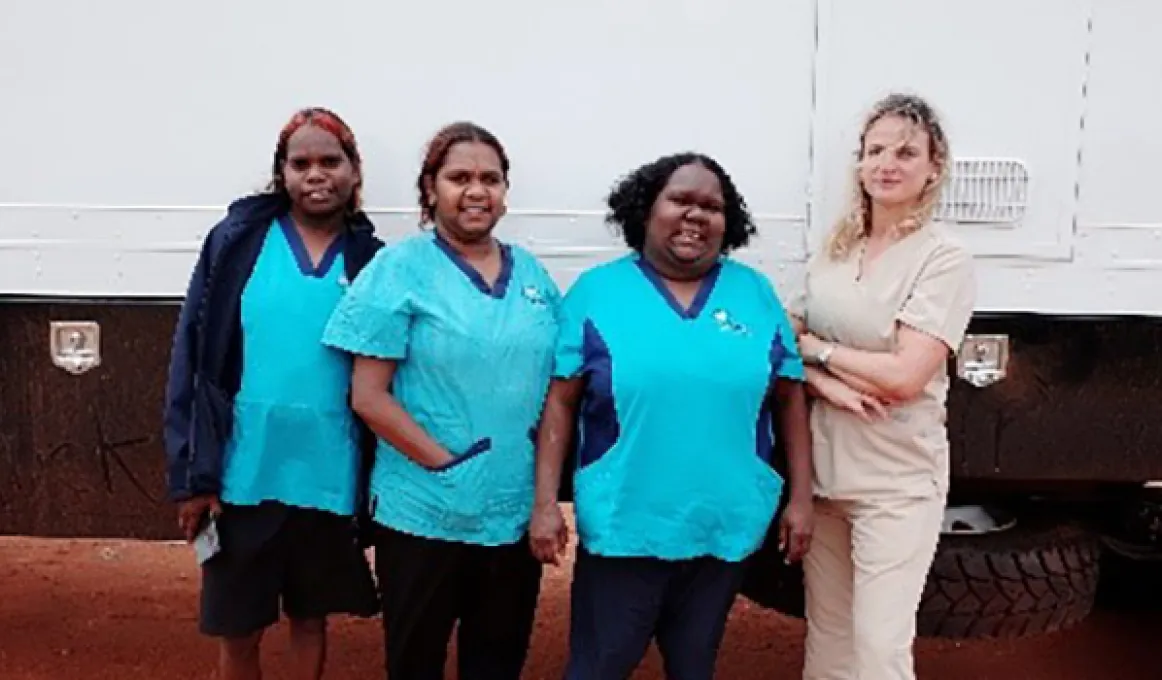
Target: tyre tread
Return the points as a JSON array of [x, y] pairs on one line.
[[1006, 586]]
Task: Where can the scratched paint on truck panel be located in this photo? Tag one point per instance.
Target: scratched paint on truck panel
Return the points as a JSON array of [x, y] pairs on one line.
[[82, 455]]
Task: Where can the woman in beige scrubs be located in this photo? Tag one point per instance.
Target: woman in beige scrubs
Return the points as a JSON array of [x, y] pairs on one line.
[[886, 303]]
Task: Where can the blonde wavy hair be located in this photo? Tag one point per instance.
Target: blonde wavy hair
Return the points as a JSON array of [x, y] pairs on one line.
[[854, 225]]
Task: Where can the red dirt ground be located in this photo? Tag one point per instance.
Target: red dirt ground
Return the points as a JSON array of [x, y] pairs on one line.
[[112, 609]]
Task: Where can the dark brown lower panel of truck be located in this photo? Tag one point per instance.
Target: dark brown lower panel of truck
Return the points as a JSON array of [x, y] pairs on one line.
[[81, 455]]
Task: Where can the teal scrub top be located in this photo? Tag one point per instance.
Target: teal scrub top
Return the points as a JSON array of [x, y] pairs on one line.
[[473, 369], [294, 439], [675, 430]]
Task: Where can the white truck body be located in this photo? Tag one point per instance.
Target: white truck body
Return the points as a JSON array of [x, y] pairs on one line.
[[127, 126]]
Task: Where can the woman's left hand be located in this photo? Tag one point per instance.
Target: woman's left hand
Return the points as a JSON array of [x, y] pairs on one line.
[[548, 533], [796, 528]]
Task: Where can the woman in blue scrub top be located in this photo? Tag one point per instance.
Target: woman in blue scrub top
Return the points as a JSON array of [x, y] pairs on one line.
[[263, 446], [672, 364], [453, 334]]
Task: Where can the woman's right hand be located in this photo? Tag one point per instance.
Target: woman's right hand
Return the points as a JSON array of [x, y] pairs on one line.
[[191, 511], [436, 460], [548, 533], [842, 396]]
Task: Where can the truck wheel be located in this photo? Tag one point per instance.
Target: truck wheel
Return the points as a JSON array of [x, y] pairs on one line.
[[1032, 578]]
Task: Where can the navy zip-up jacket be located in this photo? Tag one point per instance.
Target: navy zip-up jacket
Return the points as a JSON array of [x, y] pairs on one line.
[[205, 369]]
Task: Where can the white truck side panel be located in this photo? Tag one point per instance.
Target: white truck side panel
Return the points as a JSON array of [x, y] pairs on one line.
[[1120, 217], [1001, 92], [133, 123], [133, 111]]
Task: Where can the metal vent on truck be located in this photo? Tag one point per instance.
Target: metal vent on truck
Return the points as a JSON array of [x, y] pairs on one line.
[[985, 191]]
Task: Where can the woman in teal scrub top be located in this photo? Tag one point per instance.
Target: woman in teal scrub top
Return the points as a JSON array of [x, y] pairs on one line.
[[261, 440], [453, 333], [678, 365]]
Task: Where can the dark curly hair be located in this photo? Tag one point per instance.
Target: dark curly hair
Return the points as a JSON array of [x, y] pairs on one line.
[[632, 200], [437, 153]]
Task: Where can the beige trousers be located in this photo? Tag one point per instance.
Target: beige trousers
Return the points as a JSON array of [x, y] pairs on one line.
[[864, 576]]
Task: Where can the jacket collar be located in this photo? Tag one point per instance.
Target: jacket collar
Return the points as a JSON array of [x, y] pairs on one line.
[[261, 209]]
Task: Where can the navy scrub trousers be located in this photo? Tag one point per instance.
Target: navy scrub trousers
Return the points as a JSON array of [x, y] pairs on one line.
[[619, 604]]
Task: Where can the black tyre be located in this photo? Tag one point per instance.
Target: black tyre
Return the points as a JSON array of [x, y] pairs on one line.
[[1027, 580]]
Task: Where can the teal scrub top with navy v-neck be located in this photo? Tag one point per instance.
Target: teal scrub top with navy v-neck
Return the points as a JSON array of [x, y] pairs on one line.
[[675, 428], [294, 439], [474, 362]]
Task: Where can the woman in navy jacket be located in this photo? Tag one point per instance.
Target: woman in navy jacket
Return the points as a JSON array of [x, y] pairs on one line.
[[261, 444]]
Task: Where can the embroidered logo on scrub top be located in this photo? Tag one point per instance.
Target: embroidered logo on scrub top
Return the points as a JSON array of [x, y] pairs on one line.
[[727, 324], [534, 295]]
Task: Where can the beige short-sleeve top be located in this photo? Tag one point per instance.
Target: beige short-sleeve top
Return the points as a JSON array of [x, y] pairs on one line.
[[926, 281]]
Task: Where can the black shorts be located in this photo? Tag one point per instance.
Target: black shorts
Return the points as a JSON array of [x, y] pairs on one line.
[[307, 561]]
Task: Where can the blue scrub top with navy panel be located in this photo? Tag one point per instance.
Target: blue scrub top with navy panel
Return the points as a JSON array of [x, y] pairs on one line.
[[675, 428]]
